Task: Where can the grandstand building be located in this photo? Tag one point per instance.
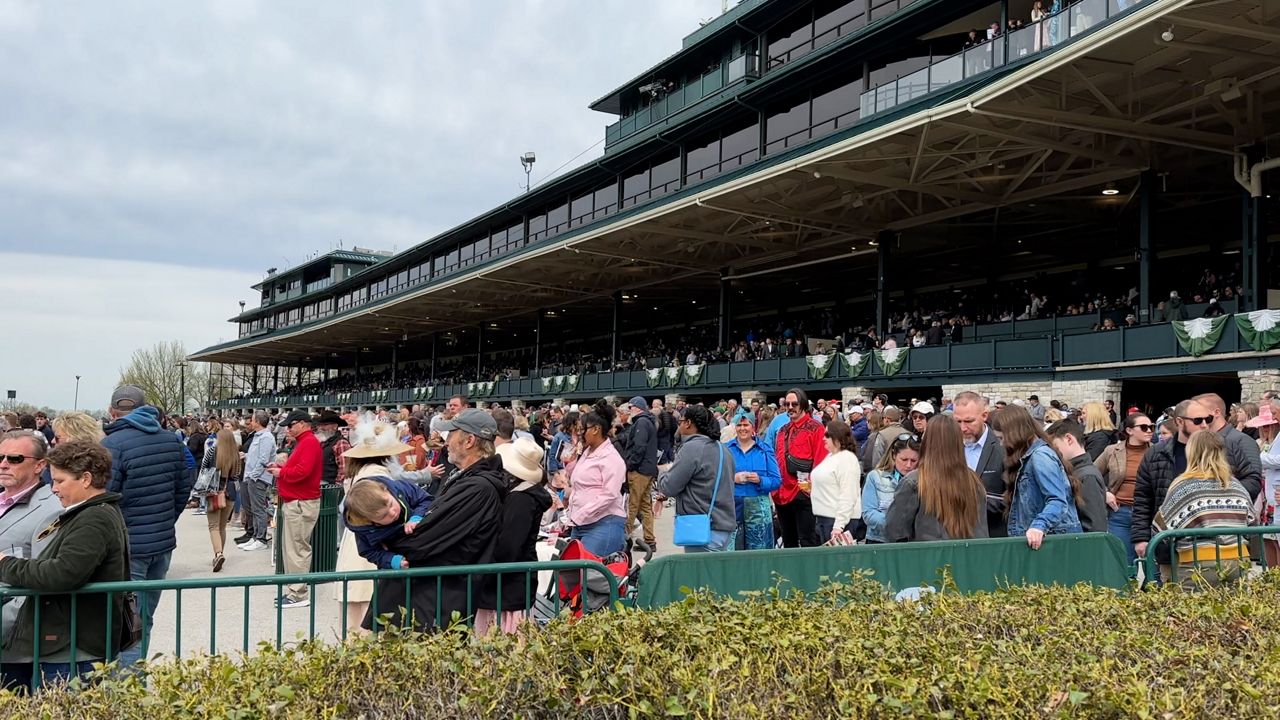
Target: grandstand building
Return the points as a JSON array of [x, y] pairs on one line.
[[840, 159]]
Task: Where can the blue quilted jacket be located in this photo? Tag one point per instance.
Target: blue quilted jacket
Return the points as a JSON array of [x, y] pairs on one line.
[[149, 470]]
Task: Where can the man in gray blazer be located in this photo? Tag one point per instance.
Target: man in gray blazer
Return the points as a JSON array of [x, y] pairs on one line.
[[27, 506], [984, 455]]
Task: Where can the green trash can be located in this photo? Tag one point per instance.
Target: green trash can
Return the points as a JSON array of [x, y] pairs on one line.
[[324, 538]]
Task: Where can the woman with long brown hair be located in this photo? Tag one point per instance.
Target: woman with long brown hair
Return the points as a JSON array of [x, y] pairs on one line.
[[224, 456], [1040, 492], [942, 499]]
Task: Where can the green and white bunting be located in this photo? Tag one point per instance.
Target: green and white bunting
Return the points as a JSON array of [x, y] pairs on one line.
[[1260, 328], [693, 373], [572, 381], [819, 365], [653, 376], [471, 389], [560, 383], [548, 384], [672, 375], [1200, 335], [892, 360], [855, 363]]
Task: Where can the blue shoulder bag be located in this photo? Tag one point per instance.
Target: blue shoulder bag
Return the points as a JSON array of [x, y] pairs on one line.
[[695, 530]]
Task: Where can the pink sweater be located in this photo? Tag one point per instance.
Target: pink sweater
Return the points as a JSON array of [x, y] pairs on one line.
[[596, 480]]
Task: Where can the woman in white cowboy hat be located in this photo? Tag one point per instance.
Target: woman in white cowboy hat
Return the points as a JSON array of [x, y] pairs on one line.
[[373, 444], [527, 499]]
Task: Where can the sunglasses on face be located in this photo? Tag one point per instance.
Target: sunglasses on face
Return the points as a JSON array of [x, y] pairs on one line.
[[1144, 427], [1199, 420], [790, 404], [16, 459]]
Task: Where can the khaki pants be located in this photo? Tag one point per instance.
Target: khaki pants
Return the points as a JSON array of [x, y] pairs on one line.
[[640, 504], [299, 518], [218, 526]]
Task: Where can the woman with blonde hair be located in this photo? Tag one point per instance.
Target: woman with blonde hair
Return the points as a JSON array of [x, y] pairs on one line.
[[1206, 495], [223, 457], [942, 499], [76, 426], [1099, 431]]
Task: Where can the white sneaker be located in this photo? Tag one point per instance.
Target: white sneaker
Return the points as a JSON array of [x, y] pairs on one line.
[[252, 545]]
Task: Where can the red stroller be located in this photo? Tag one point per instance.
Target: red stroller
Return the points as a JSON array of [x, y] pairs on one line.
[[581, 598]]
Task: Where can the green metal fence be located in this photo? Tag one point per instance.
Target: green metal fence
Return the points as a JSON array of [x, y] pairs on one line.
[[1244, 551], [300, 625]]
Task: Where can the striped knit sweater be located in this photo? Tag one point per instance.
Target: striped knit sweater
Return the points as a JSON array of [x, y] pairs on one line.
[[1204, 503]]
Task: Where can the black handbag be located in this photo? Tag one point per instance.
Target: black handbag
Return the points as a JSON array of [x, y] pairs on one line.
[[795, 465]]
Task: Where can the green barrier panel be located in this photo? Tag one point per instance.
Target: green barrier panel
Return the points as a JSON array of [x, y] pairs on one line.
[[324, 538], [976, 565]]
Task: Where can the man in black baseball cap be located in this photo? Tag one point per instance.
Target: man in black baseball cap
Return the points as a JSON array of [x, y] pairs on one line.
[[298, 486]]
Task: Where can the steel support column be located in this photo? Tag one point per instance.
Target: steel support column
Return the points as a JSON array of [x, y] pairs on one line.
[[275, 378], [537, 345], [1146, 258], [1253, 244], [726, 288], [435, 337], [395, 362], [479, 349], [884, 239], [617, 326]]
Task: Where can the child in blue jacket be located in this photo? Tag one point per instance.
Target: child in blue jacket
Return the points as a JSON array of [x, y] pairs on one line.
[[378, 511]]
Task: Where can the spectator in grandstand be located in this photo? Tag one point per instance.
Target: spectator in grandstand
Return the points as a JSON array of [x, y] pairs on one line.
[[882, 483], [1119, 467], [1067, 438], [86, 543], [298, 485], [942, 499], [1202, 496], [77, 426], [799, 447], [227, 467], [1174, 309], [149, 471], [522, 509], [700, 478], [641, 454], [755, 477], [837, 500], [1099, 431], [596, 512]]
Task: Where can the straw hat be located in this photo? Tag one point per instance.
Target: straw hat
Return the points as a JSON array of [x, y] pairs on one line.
[[374, 438], [522, 458]]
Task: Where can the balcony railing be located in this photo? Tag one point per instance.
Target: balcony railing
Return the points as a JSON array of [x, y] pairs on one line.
[[1053, 30], [743, 67]]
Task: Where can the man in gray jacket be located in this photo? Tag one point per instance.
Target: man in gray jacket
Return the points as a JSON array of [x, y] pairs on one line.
[[692, 478], [27, 506], [1243, 454]]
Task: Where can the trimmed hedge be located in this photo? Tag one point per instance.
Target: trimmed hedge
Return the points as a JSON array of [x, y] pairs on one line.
[[846, 651]]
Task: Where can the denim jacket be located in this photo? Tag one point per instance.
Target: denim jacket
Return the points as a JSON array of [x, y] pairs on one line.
[[1042, 498]]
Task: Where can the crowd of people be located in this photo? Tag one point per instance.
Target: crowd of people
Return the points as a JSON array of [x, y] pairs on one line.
[[457, 485]]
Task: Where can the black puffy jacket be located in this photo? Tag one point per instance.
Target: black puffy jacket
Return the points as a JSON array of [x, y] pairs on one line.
[[149, 470]]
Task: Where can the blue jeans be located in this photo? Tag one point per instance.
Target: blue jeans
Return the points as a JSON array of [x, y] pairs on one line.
[[721, 541], [825, 525], [17, 676], [146, 567], [1120, 524], [603, 537]]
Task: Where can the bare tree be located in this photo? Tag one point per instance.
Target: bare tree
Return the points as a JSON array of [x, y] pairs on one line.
[[159, 371]]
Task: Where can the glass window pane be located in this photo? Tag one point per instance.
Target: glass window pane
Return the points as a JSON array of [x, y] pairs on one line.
[[881, 9], [634, 187], [580, 209], [606, 200], [665, 178], [790, 39], [836, 108], [703, 161], [741, 147], [839, 21], [558, 217], [787, 128], [946, 72]]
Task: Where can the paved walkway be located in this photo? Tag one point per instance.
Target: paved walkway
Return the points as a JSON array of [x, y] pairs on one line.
[[213, 620]]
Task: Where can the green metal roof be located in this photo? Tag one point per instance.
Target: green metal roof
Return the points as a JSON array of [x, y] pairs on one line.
[[332, 256]]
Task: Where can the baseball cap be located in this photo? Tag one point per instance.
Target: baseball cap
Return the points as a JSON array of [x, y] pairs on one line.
[[923, 408], [297, 416], [128, 397], [857, 409], [474, 421]]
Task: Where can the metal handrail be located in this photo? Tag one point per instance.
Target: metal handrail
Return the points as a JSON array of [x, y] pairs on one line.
[[1151, 565]]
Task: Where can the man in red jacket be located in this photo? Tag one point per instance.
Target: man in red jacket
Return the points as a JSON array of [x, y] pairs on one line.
[[298, 486], [799, 449]]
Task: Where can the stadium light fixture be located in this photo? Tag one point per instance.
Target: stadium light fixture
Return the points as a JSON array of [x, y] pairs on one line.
[[1110, 189], [527, 160]]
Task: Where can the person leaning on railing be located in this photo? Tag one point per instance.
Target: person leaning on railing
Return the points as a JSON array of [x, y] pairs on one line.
[[86, 544], [1207, 496]]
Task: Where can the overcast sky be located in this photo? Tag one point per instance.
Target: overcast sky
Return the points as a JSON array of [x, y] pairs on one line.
[[157, 157]]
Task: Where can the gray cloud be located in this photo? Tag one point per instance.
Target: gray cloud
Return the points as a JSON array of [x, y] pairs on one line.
[[237, 134]]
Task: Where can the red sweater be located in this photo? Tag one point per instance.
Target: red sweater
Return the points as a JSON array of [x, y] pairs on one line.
[[299, 479], [805, 442]]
